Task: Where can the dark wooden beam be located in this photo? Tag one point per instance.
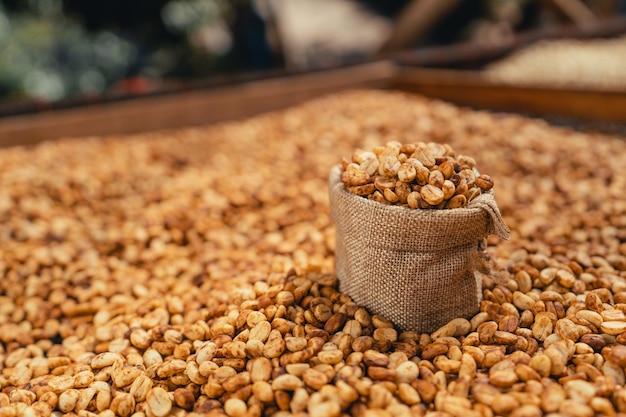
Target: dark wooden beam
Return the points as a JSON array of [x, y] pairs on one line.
[[471, 89], [191, 108]]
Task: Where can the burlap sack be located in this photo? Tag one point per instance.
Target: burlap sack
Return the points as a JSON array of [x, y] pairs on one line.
[[415, 267]]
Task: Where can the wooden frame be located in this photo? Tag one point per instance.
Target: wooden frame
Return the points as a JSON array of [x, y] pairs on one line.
[[210, 105], [190, 108], [471, 89]]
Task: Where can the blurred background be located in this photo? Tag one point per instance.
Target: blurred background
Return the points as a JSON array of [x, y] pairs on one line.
[[52, 50]]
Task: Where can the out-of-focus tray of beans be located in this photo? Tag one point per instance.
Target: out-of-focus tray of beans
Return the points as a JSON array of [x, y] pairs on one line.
[[572, 72], [566, 63]]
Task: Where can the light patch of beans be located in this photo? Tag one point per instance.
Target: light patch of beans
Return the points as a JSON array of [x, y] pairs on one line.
[[192, 272], [565, 63]]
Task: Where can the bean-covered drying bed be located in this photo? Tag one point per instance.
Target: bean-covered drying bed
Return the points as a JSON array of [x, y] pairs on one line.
[[192, 271]]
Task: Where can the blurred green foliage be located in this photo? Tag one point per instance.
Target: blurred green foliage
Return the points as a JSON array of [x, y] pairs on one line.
[[49, 50]]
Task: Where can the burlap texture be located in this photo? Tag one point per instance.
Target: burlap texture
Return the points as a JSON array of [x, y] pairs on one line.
[[415, 267]]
